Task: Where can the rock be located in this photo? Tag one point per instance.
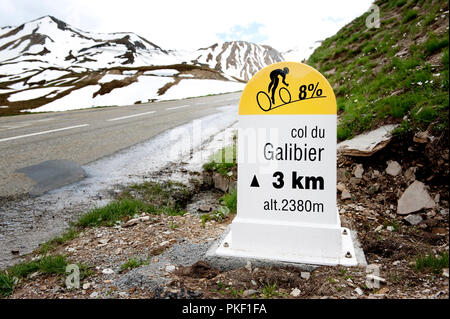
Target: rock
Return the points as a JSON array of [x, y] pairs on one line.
[[397, 262], [144, 218], [413, 219], [346, 194], [375, 278], [410, 174], [305, 275], [86, 286], [253, 283], [170, 268], [359, 291], [445, 272], [221, 182], [359, 171], [414, 198], [107, 271], [205, 208], [421, 137], [368, 143], [94, 294], [295, 292], [118, 251], [379, 228], [340, 186], [393, 168], [104, 241], [131, 222], [249, 292], [390, 228], [444, 212], [123, 294], [248, 266]]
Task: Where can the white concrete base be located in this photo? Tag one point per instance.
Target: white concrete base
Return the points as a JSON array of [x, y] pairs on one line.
[[347, 256]]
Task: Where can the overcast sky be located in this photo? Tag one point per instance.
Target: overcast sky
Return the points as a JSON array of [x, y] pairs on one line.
[[191, 24]]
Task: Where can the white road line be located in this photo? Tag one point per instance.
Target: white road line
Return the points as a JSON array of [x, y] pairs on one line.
[[176, 107], [43, 132], [128, 116]]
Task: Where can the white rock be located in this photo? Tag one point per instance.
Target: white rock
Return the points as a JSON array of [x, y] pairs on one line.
[[368, 143], [86, 285], [249, 292], [359, 291], [359, 170], [254, 283], [390, 228], [248, 266], [104, 241], [94, 294], [414, 198], [413, 219], [379, 228], [107, 271], [346, 194], [295, 292], [305, 275], [393, 168], [170, 268], [123, 294], [445, 272]]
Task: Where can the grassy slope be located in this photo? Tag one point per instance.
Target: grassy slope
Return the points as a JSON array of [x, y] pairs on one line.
[[397, 73]]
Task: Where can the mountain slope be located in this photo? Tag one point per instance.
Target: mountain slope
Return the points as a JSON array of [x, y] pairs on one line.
[[239, 59], [47, 65], [397, 73]]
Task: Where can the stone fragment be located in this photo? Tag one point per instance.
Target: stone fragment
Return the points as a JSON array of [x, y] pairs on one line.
[[421, 137], [359, 291], [345, 194], [410, 174], [359, 171], [413, 219], [295, 292], [305, 275], [414, 198], [393, 168], [249, 292]]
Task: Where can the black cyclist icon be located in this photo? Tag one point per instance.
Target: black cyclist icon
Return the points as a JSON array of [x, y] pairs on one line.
[[263, 99], [274, 80]]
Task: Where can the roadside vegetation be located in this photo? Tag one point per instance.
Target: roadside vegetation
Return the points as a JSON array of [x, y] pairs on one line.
[[398, 73], [167, 198]]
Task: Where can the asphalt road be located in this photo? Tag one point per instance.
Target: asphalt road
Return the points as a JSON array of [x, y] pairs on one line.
[[84, 136]]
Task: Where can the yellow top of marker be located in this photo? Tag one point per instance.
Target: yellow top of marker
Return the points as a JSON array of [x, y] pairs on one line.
[[287, 88]]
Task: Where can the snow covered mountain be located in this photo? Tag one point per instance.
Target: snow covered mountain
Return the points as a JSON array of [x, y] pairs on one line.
[[48, 65], [239, 59], [298, 54]]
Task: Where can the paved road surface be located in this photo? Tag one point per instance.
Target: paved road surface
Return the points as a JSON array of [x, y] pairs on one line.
[[83, 136]]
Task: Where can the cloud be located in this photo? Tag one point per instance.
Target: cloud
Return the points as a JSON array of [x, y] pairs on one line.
[[192, 24]]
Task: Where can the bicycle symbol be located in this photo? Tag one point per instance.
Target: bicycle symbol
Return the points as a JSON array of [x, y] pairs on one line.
[[265, 103]]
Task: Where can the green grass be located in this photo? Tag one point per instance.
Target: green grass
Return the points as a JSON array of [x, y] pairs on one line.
[[113, 212], [432, 263], [223, 161], [229, 200], [373, 86], [269, 290], [133, 263], [57, 241], [6, 284]]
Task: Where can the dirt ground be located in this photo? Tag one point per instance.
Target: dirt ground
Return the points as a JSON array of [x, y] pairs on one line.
[[389, 242]]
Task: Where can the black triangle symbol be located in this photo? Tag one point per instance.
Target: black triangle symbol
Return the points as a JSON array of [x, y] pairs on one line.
[[254, 182]]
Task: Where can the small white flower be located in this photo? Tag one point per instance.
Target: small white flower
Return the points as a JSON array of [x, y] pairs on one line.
[[356, 100], [419, 83]]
